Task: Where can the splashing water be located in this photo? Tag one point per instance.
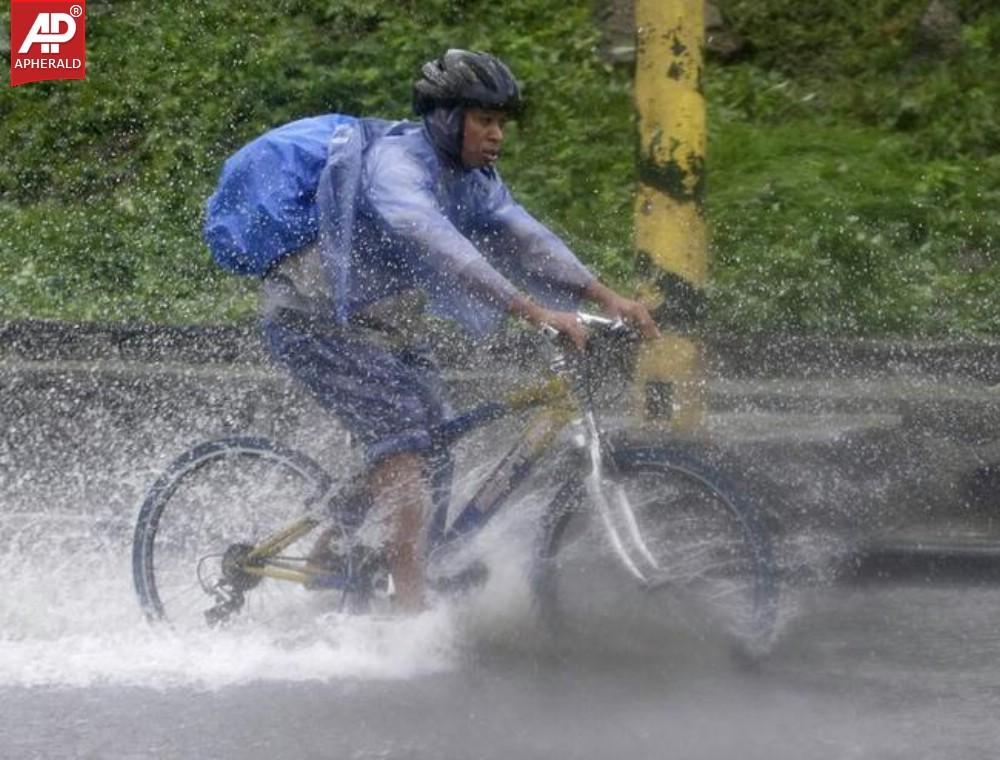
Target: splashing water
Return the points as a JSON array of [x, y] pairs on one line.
[[70, 617]]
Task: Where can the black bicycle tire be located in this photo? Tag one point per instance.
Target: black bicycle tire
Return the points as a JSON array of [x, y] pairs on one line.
[[630, 456], [158, 497]]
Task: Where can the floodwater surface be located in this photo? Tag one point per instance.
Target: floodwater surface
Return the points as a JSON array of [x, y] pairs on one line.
[[863, 672]]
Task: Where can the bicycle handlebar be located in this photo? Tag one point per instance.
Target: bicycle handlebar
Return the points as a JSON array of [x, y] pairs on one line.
[[609, 349], [590, 321]]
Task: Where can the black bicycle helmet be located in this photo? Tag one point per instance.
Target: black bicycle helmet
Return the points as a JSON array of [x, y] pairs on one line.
[[464, 78]]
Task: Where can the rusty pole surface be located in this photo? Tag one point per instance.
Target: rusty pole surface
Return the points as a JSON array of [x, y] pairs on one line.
[[669, 219]]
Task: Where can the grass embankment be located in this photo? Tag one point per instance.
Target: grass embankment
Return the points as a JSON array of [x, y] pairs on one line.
[[851, 189], [855, 173]]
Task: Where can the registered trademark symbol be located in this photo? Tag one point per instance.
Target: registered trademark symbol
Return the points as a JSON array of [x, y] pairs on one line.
[[76, 11]]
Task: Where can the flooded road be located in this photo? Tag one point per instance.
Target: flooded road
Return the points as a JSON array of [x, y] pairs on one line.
[[873, 675], [870, 671], [858, 671]]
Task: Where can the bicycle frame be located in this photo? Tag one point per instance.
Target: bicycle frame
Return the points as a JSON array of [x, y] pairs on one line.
[[557, 411], [558, 407]]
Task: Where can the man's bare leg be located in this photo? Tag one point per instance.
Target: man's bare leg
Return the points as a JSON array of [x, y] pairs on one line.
[[397, 486]]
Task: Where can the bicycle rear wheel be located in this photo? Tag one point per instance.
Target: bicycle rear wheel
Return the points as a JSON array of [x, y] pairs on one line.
[[705, 554], [216, 496]]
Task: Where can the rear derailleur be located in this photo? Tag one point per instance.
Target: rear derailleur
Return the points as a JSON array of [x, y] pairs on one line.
[[228, 591]]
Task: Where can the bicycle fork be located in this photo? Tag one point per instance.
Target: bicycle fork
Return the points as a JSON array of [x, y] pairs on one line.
[[615, 510]]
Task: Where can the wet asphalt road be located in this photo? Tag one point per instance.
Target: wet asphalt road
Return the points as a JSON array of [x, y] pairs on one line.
[[867, 671], [873, 672]]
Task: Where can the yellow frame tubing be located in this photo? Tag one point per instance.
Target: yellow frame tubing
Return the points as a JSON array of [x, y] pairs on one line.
[[550, 393], [280, 572], [285, 538], [274, 544], [669, 218]]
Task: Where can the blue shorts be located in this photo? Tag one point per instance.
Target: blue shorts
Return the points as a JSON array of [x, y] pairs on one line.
[[389, 398]]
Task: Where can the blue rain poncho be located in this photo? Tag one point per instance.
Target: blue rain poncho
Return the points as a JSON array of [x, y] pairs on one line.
[[418, 218], [393, 209]]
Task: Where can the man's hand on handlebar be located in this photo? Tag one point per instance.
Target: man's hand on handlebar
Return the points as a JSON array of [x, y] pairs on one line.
[[566, 322], [619, 307], [563, 322]]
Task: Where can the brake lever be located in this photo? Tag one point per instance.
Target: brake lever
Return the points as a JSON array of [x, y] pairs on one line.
[[604, 333], [548, 331], [595, 320]]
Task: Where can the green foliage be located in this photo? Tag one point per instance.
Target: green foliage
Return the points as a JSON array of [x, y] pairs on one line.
[[851, 235], [853, 173], [868, 63], [852, 182], [98, 261], [103, 198]]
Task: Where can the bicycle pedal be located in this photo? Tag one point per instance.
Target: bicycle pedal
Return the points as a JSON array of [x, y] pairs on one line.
[[384, 587], [322, 581]]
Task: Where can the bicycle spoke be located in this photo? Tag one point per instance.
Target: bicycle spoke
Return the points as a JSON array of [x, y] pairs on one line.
[[694, 544], [219, 498]]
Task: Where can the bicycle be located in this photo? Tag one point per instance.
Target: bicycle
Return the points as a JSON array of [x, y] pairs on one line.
[[676, 526]]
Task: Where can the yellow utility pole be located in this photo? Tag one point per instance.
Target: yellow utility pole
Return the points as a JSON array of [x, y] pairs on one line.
[[669, 220]]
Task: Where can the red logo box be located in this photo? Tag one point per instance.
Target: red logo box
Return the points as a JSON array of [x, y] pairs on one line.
[[48, 40]]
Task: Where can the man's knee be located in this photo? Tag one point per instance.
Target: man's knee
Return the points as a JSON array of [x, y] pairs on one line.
[[400, 466]]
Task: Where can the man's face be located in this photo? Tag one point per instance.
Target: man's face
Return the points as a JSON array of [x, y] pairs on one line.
[[482, 137]]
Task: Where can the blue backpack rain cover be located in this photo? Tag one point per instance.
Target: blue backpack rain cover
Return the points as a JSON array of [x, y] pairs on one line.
[[264, 206]]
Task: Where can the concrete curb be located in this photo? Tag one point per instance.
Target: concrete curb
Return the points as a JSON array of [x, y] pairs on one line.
[[925, 560], [42, 340], [731, 356], [782, 355], [947, 388]]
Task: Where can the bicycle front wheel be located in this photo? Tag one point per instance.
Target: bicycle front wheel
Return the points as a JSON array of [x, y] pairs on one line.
[[222, 494], [696, 540]]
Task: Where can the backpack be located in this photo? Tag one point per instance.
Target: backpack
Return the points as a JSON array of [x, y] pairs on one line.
[[264, 206]]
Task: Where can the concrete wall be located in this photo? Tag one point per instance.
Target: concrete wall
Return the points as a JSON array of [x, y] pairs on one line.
[[848, 442]]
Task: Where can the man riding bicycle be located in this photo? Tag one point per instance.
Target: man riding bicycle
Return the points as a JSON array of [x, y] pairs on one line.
[[431, 228]]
